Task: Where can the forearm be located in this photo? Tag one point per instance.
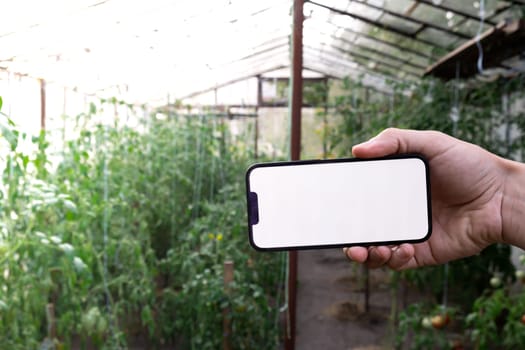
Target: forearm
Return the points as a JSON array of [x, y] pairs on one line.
[[513, 204]]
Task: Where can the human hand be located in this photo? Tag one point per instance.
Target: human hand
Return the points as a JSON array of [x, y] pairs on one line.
[[467, 184]]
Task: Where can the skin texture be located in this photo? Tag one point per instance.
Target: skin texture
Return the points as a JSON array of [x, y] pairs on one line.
[[476, 200]]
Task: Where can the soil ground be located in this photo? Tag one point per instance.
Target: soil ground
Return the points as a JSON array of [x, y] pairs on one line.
[[331, 311]]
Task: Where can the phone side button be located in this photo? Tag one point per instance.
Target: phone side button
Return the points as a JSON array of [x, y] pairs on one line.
[[254, 208]]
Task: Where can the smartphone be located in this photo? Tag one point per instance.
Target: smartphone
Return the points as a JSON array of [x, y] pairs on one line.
[[336, 203]]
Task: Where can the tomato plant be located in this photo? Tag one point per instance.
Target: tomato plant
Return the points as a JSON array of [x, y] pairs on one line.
[[422, 326], [125, 232]]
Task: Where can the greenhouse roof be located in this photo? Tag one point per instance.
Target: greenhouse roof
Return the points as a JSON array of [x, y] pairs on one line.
[[151, 49]]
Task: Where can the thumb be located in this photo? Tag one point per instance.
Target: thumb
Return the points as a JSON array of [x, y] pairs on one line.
[[394, 141]]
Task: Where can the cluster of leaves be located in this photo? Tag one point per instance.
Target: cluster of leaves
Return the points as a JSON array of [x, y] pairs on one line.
[[124, 235], [482, 114], [422, 325], [496, 320]]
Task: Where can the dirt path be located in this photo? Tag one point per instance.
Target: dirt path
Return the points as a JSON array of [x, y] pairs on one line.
[[330, 304]]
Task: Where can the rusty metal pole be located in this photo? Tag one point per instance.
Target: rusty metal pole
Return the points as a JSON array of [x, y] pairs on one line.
[[51, 321], [226, 313], [42, 104], [295, 154]]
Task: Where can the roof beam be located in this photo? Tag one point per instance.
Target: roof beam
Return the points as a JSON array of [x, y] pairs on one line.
[[499, 43], [444, 7], [266, 50], [372, 87], [233, 81], [365, 57], [384, 42], [318, 71], [423, 24], [379, 62], [377, 69], [383, 26], [375, 51]]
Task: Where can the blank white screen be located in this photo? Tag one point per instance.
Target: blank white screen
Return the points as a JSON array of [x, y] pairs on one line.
[[340, 203]]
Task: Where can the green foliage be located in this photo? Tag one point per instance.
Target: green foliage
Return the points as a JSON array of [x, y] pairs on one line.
[[485, 118], [483, 113], [416, 325], [488, 115], [497, 320], [126, 236], [467, 278]]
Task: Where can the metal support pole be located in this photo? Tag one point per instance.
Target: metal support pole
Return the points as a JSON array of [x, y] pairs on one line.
[[42, 104], [325, 119], [295, 153], [226, 313]]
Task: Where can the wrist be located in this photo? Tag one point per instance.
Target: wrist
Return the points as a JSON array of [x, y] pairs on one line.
[[513, 204]]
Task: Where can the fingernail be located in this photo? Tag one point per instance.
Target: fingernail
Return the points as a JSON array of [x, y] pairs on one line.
[[372, 140]]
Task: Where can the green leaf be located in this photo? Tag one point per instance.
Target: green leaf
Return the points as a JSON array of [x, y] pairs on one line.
[[9, 133], [1, 103]]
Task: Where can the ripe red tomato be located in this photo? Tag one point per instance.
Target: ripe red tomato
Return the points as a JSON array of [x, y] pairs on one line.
[[457, 345], [439, 321]]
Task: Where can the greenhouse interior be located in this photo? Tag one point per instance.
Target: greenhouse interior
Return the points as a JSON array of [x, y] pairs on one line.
[[127, 127]]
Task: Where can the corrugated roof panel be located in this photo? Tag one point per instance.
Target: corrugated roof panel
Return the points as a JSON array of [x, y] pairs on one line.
[[399, 23], [181, 46]]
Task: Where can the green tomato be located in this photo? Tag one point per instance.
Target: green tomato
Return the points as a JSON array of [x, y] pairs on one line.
[[90, 319], [495, 282], [102, 325], [426, 322]]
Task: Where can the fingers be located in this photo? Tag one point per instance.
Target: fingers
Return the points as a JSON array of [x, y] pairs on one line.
[[378, 256], [401, 257], [397, 257], [392, 141], [357, 254], [373, 257]]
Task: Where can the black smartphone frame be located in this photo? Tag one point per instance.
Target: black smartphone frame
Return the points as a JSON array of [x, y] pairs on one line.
[[253, 213]]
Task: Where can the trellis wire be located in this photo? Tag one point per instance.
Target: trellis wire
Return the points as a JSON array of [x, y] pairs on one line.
[[105, 224], [213, 160], [454, 115], [283, 278], [171, 122], [478, 42], [197, 188]]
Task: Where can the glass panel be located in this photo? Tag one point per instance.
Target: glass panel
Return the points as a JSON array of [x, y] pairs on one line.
[[470, 27], [472, 7], [513, 13], [376, 57], [420, 61], [448, 20], [398, 6], [412, 70], [199, 43], [364, 11], [400, 23], [391, 49], [439, 37], [346, 35], [438, 17]]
